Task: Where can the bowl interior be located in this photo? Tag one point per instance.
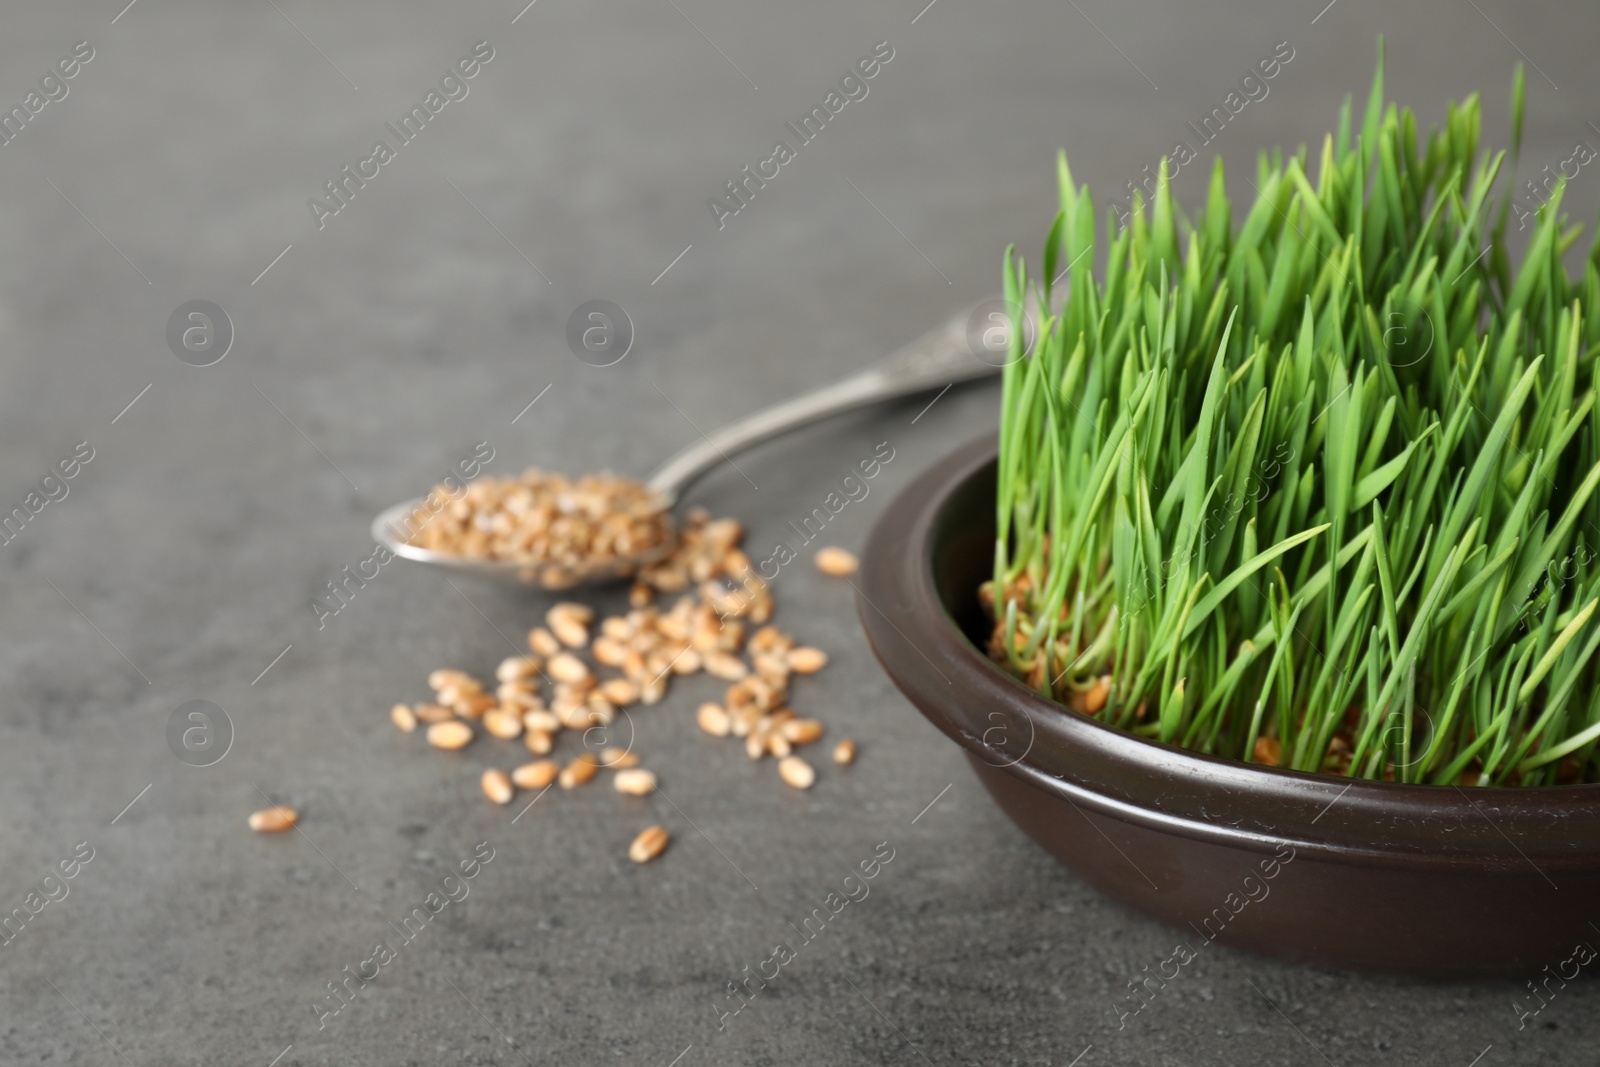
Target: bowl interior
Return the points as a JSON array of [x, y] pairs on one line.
[[931, 550], [961, 544]]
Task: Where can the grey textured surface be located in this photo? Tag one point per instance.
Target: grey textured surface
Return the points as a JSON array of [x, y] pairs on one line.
[[185, 556]]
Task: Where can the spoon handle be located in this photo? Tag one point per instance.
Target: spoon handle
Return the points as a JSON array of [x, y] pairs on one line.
[[941, 357]]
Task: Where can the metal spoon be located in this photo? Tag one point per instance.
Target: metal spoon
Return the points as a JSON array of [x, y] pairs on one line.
[[941, 357]]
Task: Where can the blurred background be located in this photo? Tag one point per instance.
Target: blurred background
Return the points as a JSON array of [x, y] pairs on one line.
[[360, 353]]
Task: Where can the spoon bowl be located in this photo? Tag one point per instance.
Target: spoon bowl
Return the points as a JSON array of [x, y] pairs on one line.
[[389, 529]]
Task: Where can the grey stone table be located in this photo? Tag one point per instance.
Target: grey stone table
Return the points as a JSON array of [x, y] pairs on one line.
[[375, 346]]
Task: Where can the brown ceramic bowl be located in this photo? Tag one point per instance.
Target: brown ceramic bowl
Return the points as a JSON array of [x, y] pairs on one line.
[[1369, 876]]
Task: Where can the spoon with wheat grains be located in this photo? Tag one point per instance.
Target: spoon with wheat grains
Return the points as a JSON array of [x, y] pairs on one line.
[[551, 532]]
